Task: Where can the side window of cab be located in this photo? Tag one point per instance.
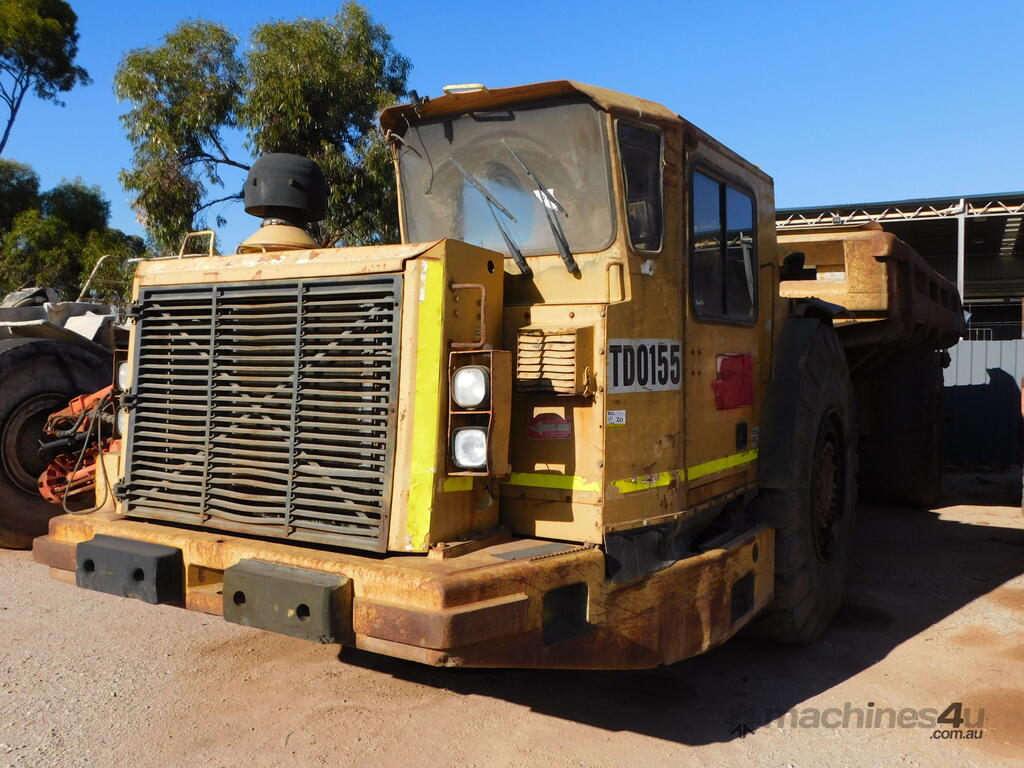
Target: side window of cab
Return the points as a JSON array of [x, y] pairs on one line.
[[723, 258], [640, 148]]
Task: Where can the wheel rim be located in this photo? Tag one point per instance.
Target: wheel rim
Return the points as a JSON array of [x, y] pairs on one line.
[[827, 490], [19, 445]]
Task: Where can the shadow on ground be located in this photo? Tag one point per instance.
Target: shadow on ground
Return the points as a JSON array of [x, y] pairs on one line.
[[910, 569]]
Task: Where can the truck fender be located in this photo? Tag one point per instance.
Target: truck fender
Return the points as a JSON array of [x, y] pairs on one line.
[[774, 469]]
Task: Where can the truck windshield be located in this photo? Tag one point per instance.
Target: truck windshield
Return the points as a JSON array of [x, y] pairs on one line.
[[464, 178]]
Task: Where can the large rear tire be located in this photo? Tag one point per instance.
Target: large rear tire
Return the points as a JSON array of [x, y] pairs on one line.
[[37, 377], [901, 448], [813, 512]]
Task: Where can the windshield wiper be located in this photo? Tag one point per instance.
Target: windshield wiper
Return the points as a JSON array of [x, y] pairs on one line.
[[535, 179], [482, 189], [545, 195], [517, 255], [492, 204]]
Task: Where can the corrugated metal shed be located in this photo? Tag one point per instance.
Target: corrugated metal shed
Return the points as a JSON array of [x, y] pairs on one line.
[[983, 403], [970, 361]]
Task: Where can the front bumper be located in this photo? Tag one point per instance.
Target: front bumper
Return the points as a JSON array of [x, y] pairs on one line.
[[520, 603]]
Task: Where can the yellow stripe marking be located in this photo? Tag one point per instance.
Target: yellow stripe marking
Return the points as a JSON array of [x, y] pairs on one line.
[[632, 484], [426, 413], [452, 484], [661, 479], [718, 465], [563, 482]]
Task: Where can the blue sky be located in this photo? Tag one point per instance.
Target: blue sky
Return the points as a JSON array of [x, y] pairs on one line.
[[839, 102]]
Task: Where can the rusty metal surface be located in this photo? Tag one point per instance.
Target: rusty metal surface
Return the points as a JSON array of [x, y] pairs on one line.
[[447, 628], [486, 607], [447, 549], [204, 590], [208, 598], [244, 267], [394, 118], [482, 315], [892, 296], [54, 553]]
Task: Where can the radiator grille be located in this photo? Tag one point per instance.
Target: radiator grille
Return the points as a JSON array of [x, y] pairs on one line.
[[267, 408]]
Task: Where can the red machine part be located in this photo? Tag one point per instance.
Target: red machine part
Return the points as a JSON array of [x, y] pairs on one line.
[[66, 417], [71, 476], [59, 480]]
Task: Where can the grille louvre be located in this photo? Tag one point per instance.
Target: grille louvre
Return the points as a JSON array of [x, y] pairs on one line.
[[546, 361], [268, 408]]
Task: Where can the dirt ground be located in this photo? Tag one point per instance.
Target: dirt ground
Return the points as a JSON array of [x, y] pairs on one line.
[[934, 616]]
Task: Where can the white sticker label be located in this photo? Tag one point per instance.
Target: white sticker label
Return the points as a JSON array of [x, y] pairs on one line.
[[617, 418], [547, 199], [644, 365]]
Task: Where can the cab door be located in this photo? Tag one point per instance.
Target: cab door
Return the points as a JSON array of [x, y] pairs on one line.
[[729, 207]]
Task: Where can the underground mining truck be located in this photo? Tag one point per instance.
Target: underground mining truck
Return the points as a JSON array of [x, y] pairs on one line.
[[590, 413], [50, 352]]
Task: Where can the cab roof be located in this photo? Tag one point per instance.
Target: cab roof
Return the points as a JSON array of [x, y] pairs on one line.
[[393, 118], [458, 103]]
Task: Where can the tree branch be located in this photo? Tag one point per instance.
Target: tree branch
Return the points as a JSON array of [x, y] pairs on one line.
[[220, 148], [204, 206], [10, 120], [22, 81], [206, 157], [224, 160]]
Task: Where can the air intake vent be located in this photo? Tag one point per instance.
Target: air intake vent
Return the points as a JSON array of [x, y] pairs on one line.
[[268, 408], [554, 360]]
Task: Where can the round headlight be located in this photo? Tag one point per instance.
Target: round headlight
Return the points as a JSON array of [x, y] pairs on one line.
[[470, 386], [122, 422], [123, 382], [469, 447]]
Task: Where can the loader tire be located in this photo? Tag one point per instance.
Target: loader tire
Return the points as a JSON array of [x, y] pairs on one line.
[[901, 456], [813, 516], [37, 378]]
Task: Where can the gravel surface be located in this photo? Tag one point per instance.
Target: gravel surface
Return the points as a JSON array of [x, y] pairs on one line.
[[934, 615]]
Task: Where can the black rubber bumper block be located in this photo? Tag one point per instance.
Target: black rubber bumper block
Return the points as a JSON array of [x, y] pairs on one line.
[[293, 601], [153, 573]]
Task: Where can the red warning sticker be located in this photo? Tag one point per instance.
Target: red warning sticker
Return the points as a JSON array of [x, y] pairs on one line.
[[550, 426]]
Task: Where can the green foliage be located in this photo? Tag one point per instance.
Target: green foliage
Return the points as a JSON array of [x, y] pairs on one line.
[[309, 86], [81, 207], [19, 191], [112, 281], [38, 250], [184, 92], [38, 45], [55, 241]]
